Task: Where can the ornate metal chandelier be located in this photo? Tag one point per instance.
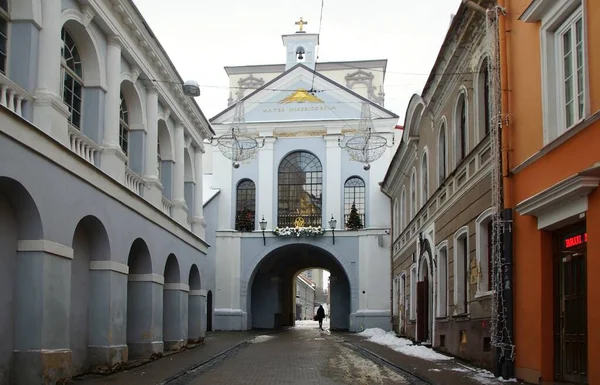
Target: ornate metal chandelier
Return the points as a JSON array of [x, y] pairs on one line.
[[366, 145], [237, 145]]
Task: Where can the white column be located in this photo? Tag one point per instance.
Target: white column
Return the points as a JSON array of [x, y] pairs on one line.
[[199, 222], [179, 206], [266, 184], [113, 158], [153, 191], [333, 182], [50, 112]]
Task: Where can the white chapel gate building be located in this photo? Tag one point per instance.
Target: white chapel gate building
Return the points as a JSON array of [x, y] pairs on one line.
[[301, 177]]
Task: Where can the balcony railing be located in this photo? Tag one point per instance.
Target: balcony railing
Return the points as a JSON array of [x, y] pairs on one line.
[[82, 145], [287, 220], [166, 206], [12, 96], [133, 181]]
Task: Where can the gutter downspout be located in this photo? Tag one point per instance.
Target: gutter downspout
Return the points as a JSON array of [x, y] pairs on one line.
[[507, 363], [391, 255]]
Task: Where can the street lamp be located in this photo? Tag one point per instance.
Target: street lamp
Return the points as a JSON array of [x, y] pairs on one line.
[[332, 223], [263, 227]]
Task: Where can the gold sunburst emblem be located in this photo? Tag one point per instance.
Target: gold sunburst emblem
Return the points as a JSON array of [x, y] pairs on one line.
[[301, 96], [299, 222]]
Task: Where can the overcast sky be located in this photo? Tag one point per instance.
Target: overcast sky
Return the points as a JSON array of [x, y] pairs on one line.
[[201, 37]]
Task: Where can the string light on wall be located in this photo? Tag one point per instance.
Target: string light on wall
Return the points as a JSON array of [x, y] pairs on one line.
[[367, 145]]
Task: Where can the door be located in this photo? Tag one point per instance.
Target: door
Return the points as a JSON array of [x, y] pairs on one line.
[[422, 310], [209, 311], [572, 357]]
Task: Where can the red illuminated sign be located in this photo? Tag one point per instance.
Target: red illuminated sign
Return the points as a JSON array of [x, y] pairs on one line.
[[576, 240]]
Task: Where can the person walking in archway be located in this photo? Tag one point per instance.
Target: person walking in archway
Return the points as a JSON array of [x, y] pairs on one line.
[[320, 316]]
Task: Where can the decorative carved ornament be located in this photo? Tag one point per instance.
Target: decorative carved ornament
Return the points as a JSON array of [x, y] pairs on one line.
[[363, 77]]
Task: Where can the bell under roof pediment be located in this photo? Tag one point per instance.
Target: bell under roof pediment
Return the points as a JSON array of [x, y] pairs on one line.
[[299, 94]]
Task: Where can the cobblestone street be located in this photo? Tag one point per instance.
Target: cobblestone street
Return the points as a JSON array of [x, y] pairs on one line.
[[303, 355]]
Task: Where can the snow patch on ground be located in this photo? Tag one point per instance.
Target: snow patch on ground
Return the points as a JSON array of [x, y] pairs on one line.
[[262, 338], [402, 345], [486, 377], [310, 324]]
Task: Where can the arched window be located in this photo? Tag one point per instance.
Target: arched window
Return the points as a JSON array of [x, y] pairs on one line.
[[461, 271], [245, 206], [424, 179], [413, 195], [4, 21], [354, 194], [484, 250], [403, 209], [396, 218], [484, 97], [124, 126], [442, 155], [461, 128], [72, 78], [442, 271], [300, 189]]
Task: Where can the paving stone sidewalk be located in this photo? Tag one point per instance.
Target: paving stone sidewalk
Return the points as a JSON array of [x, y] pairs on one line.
[[162, 369], [450, 372]]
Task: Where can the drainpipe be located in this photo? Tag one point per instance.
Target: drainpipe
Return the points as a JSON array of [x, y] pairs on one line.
[[391, 251], [506, 362]]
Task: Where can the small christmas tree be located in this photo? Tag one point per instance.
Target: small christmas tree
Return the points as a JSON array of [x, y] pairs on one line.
[[354, 221], [244, 220]]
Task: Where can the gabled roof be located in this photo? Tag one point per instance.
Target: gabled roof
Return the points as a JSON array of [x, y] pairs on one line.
[[316, 74]]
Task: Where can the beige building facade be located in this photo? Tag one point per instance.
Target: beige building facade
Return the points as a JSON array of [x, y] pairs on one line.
[[440, 187]]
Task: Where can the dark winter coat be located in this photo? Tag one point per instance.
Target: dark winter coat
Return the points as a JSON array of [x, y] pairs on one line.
[[321, 312]]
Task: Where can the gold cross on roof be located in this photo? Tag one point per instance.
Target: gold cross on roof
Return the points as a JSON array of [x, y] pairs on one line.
[[301, 24]]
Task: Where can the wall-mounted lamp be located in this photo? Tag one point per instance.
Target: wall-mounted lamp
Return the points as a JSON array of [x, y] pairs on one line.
[[263, 227], [332, 223]]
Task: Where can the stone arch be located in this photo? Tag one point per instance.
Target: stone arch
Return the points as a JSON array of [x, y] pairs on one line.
[[175, 306], [90, 243], [26, 10], [133, 98], [412, 119], [339, 269], [142, 335], [28, 219], [19, 220], [196, 307], [86, 38]]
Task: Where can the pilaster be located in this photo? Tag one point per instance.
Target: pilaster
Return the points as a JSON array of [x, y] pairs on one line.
[[175, 315], [113, 158], [108, 309], [42, 312], [333, 182], [199, 222], [228, 313], [50, 112], [145, 318], [265, 183], [179, 210], [153, 186], [196, 315]]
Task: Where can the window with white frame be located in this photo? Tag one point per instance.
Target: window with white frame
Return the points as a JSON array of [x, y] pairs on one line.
[[4, 23], [413, 293], [484, 234], [442, 277], [564, 67], [413, 194], [395, 297], [72, 78], [442, 155], [424, 179], [124, 126], [483, 99], [461, 269]]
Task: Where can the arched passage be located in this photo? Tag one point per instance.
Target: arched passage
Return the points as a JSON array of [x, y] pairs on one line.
[[175, 306], [19, 220], [196, 307], [271, 301], [90, 243], [143, 290]]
